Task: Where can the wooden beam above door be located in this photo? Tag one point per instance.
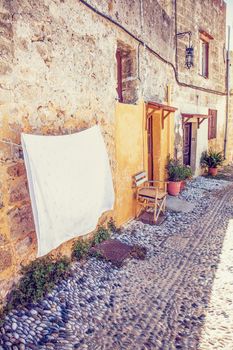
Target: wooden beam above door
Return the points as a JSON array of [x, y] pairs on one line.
[[200, 118], [166, 110]]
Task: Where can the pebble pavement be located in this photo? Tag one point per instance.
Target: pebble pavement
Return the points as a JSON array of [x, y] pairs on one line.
[[162, 302]]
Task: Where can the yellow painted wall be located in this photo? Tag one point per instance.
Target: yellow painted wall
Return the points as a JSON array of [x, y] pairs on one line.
[[132, 153], [130, 142]]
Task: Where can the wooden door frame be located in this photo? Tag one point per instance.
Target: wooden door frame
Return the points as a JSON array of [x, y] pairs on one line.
[[150, 151], [190, 140]]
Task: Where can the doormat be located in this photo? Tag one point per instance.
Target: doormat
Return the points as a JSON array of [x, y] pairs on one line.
[[117, 252], [147, 217]]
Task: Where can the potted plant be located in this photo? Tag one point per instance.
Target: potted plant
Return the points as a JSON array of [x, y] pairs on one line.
[[175, 176], [212, 159], [187, 174]]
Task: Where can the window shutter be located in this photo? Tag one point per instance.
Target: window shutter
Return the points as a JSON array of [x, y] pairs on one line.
[[209, 125], [203, 59], [212, 124], [119, 75], [206, 60]]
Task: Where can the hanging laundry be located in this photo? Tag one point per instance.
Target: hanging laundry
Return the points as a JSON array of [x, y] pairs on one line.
[[70, 184]]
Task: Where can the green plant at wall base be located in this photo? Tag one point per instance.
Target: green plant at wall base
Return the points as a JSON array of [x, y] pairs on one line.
[[112, 226], [80, 249], [101, 235], [38, 279], [211, 159]]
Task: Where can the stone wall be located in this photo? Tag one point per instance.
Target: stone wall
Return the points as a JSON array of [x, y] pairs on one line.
[[59, 75], [51, 72], [196, 16], [229, 150]]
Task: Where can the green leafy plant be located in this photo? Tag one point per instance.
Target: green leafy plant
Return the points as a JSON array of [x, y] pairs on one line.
[[187, 172], [80, 249], [112, 226], [211, 159], [101, 235], [39, 278], [175, 170]]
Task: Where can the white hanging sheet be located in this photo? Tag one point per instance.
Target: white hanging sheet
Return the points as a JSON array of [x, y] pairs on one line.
[[70, 184]]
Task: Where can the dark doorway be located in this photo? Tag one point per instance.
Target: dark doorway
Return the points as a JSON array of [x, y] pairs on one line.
[[150, 148], [187, 143]]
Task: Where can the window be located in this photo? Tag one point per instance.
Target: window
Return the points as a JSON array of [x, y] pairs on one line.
[[212, 124], [119, 75], [204, 51], [204, 58], [127, 82]]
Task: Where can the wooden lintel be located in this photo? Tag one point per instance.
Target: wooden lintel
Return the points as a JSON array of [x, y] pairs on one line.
[[152, 109], [150, 114], [186, 120], [164, 116], [149, 110], [200, 121]]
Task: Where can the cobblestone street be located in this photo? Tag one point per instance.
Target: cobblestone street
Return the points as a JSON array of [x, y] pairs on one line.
[[179, 297]]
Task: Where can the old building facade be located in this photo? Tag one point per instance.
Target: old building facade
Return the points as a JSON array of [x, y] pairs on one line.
[[66, 65], [229, 134]]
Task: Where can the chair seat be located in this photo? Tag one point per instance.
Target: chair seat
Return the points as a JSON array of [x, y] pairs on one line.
[[150, 193]]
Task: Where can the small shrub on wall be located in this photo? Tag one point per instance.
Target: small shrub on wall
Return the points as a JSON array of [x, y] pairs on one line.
[[39, 278], [80, 249], [41, 275]]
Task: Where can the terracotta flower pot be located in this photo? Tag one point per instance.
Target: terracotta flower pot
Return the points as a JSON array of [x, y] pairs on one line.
[[213, 171], [174, 188], [182, 184]]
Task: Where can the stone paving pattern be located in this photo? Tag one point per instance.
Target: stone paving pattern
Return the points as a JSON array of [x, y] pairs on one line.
[[157, 303]]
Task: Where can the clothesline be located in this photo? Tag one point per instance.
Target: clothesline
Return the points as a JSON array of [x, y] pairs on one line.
[[11, 143], [20, 146]]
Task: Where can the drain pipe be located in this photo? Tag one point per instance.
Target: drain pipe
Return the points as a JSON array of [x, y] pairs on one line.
[[228, 90]]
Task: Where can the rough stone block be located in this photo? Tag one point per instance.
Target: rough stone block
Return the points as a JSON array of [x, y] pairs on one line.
[[16, 170], [19, 192], [5, 68], [5, 259], [1, 201], [24, 245], [5, 286], [21, 221], [3, 239]]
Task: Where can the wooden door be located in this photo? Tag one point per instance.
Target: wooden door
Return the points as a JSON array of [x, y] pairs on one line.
[[150, 148], [187, 143]]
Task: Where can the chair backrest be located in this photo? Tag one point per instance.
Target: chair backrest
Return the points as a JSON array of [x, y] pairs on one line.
[[140, 178]]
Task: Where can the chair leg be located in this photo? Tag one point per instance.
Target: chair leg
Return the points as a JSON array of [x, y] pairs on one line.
[[138, 212], [164, 205], [157, 212], [156, 209]]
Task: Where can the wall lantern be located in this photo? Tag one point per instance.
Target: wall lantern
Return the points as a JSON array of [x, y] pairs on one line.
[[189, 51], [189, 56]]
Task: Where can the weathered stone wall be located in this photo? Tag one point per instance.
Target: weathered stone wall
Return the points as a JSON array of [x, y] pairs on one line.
[[229, 150], [209, 16], [59, 75], [53, 62]]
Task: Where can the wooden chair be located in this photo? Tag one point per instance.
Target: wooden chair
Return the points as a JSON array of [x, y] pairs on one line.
[[149, 196]]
